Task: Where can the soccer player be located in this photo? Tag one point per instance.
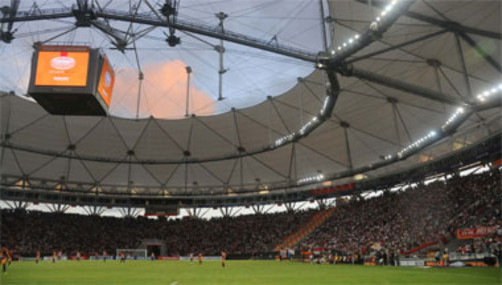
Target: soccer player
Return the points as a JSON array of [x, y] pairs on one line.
[[223, 258], [78, 255], [152, 256], [37, 257], [53, 256], [122, 257], [201, 258], [3, 260], [60, 253], [9, 255], [446, 261], [437, 257], [104, 255], [191, 257]]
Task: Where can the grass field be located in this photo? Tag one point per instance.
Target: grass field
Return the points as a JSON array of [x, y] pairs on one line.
[[236, 272]]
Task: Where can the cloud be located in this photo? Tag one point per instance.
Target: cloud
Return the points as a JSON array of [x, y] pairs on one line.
[[163, 92]]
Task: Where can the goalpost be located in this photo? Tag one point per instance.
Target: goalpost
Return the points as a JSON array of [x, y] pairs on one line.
[[132, 253]]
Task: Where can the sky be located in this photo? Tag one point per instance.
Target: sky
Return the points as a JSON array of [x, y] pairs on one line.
[[251, 75]]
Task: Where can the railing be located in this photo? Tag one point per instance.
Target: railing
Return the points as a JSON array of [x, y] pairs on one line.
[[316, 220]]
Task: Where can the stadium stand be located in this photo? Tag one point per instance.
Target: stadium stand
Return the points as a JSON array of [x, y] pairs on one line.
[[26, 232], [395, 221], [316, 220], [406, 220]]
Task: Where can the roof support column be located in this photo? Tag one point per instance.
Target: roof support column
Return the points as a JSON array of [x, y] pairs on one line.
[[488, 58], [464, 67], [290, 207], [393, 101], [258, 209], [141, 76], [321, 203], [323, 26], [345, 126], [129, 212], [220, 49], [292, 164], [227, 211], [58, 208], [399, 85], [187, 111]]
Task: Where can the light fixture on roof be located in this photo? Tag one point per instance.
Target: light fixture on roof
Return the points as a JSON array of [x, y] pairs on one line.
[[374, 26], [489, 93], [263, 192], [316, 178], [327, 183], [417, 144], [360, 176], [453, 118]]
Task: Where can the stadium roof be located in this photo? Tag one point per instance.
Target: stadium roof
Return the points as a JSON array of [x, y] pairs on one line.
[[398, 95]]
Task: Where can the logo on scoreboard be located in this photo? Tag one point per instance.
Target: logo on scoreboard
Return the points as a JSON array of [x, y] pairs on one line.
[[63, 63], [108, 79]]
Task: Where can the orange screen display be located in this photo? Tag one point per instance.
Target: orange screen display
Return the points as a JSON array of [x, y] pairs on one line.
[[62, 68], [106, 81]]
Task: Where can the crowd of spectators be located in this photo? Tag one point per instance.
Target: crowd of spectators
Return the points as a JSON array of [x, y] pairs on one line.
[[402, 220], [392, 222], [29, 231]]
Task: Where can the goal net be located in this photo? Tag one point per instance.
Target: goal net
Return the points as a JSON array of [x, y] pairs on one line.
[[132, 253]]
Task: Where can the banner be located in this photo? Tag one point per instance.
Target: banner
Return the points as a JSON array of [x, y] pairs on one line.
[[333, 189], [172, 258], [206, 258], [420, 247], [476, 232], [318, 250], [497, 162]]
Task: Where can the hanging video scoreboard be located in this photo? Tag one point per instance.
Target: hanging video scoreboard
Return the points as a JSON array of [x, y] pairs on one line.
[[106, 81], [71, 80]]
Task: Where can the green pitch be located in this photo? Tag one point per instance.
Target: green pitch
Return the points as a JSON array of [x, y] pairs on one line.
[[236, 272]]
